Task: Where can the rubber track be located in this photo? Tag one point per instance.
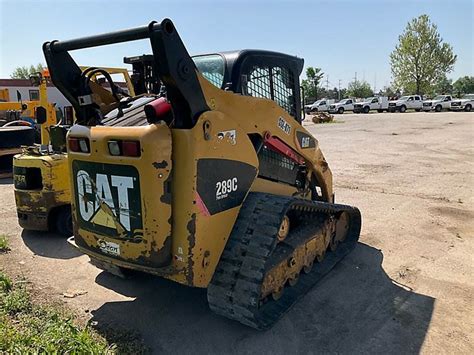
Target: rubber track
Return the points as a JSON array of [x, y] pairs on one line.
[[234, 291]]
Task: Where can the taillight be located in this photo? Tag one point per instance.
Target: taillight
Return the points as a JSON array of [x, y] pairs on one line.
[[124, 148], [80, 145], [131, 148]]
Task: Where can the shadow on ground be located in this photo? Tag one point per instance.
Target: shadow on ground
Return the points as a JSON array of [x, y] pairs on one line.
[[6, 181], [49, 245], [355, 309]]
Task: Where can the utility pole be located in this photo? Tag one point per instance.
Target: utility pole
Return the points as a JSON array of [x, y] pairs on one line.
[[327, 83], [375, 82], [339, 90], [355, 77]]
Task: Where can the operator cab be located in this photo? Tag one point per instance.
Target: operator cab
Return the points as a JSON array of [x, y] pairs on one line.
[[257, 73]]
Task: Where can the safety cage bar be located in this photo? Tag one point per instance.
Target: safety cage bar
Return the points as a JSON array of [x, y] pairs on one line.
[[174, 68]]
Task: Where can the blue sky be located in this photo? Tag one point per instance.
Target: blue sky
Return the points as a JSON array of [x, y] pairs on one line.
[[341, 37]]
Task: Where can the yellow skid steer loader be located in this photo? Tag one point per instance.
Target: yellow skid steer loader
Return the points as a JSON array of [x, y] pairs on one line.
[[221, 187]]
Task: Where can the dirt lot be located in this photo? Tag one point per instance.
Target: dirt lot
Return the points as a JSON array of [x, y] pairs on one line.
[[408, 286]]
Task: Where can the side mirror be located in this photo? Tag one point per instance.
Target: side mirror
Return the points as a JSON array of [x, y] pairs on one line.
[[243, 83], [303, 95], [227, 86], [18, 96], [41, 115]]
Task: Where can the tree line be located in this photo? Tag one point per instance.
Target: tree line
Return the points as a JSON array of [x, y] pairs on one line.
[[419, 64]]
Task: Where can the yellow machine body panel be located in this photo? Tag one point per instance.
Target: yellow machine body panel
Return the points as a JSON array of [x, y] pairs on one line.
[[97, 193], [268, 118]]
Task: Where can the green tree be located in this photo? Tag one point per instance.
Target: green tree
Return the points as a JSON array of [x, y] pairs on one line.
[[25, 72], [421, 57], [443, 86], [387, 91], [312, 81], [343, 93], [464, 85], [359, 88]]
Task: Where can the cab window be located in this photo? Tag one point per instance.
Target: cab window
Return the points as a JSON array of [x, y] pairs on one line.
[[211, 67], [34, 95], [417, 98], [272, 82]]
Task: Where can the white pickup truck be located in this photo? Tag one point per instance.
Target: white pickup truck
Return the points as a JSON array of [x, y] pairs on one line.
[[439, 103], [379, 103], [320, 105], [341, 106], [466, 103], [414, 102]]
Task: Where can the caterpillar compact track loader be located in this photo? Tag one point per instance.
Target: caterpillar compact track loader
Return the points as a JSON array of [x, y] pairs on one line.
[[221, 186]]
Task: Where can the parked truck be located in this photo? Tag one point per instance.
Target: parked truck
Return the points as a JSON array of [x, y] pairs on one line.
[[439, 103], [319, 105], [379, 103], [404, 103], [342, 106], [466, 103]]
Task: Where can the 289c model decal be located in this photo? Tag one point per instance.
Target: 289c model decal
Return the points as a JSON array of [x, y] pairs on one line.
[[222, 183], [223, 188]]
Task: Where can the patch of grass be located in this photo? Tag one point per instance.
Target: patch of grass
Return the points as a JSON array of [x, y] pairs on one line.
[[4, 243], [5, 283], [26, 327]]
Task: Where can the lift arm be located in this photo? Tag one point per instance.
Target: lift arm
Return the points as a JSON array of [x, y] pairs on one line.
[[174, 67]]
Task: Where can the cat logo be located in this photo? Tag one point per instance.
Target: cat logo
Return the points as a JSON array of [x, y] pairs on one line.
[[99, 211], [108, 201]]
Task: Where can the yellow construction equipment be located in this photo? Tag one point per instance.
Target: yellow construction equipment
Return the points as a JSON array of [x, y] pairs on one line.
[[26, 109], [18, 127], [212, 183], [4, 95]]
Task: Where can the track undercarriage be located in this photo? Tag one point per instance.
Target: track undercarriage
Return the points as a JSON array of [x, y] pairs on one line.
[[279, 248]]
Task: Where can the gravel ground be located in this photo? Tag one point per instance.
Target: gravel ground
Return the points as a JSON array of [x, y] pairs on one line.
[[406, 288]]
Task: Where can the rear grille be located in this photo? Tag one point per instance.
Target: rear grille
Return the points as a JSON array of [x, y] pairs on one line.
[[392, 104], [455, 103], [277, 167], [357, 106], [427, 104], [27, 178]]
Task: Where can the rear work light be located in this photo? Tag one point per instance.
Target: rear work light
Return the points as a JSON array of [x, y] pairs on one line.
[[124, 148], [80, 145]]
